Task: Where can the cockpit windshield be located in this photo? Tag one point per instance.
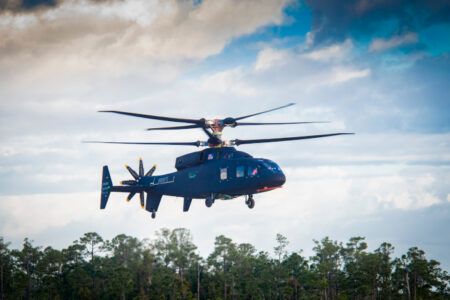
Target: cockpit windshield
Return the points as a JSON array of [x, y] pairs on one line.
[[270, 165]]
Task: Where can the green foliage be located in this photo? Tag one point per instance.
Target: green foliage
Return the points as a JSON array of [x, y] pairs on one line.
[[169, 267]]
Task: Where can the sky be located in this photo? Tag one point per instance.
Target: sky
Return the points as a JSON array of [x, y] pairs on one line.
[[379, 68]]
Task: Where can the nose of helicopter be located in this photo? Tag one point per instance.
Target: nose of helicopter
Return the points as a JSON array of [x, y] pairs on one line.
[[278, 179]]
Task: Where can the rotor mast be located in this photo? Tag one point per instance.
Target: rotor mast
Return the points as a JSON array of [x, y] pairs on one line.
[[216, 126]]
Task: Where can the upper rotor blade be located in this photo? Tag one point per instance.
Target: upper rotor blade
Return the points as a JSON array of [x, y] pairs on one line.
[[276, 123], [174, 127], [197, 143], [263, 112], [170, 119], [238, 142]]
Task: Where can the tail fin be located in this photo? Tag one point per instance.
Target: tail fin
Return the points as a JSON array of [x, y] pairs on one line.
[[106, 187]]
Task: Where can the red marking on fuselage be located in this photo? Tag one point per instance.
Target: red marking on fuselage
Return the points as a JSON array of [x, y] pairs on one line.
[[267, 188]]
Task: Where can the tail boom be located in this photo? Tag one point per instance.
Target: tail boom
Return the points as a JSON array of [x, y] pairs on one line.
[[108, 187]]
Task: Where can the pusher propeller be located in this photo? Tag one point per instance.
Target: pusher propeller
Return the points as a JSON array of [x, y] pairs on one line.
[[132, 172], [150, 172], [137, 178]]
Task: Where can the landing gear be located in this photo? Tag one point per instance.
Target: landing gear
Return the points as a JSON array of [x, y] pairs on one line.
[[209, 201], [153, 214], [250, 202]]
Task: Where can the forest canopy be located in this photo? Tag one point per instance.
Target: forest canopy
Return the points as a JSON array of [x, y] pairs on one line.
[[169, 267]]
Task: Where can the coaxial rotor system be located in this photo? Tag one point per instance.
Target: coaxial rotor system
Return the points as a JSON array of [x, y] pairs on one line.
[[213, 129]]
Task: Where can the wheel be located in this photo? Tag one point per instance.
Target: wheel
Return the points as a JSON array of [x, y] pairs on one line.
[[250, 202], [153, 214]]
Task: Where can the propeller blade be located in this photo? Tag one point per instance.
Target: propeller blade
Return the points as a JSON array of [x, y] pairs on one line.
[[197, 143], [174, 127], [238, 142], [170, 119], [142, 198], [130, 196], [150, 172], [132, 172], [263, 112], [277, 123], [128, 182], [141, 168]]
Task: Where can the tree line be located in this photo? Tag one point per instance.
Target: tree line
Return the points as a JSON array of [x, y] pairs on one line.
[[169, 267]]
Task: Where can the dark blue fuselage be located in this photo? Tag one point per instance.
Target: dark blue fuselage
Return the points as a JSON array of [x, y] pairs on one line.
[[223, 172]]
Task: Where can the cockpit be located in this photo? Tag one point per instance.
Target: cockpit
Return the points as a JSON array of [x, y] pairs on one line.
[[222, 153], [270, 165]]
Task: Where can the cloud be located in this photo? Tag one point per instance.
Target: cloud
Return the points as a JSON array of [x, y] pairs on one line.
[[380, 44], [227, 82], [336, 51], [64, 49], [340, 75], [32, 6], [337, 20], [91, 31], [25, 6], [269, 57], [61, 64], [314, 67]]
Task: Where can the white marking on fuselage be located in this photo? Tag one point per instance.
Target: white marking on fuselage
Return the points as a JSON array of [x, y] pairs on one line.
[[162, 180]]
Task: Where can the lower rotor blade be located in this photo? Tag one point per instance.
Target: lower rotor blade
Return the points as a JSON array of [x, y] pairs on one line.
[[142, 198], [141, 168], [197, 143], [130, 196], [238, 142], [174, 127], [132, 172], [276, 123], [150, 172]]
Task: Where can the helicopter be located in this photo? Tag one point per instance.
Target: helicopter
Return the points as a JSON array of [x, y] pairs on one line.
[[218, 172]]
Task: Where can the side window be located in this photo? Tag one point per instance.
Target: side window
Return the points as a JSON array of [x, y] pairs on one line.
[[223, 174], [240, 171], [252, 171]]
